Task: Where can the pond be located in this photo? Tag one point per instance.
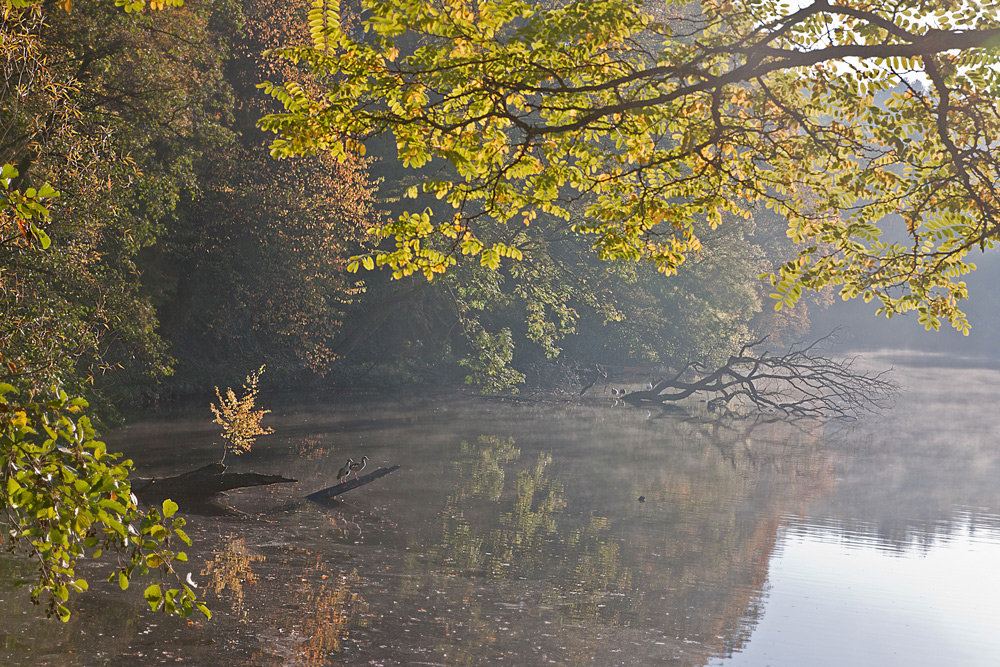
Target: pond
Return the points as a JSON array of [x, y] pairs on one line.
[[513, 534]]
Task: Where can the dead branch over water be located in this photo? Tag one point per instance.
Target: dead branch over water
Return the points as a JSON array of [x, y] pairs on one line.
[[801, 382]]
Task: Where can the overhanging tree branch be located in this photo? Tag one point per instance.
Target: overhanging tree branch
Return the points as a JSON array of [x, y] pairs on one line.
[[810, 111]]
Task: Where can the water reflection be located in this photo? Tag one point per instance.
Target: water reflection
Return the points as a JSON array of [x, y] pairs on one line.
[[314, 623], [516, 533], [512, 535], [312, 447], [928, 603], [231, 568], [507, 534]]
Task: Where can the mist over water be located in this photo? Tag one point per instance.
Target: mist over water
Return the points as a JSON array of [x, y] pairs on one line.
[[513, 534], [859, 329], [895, 566]]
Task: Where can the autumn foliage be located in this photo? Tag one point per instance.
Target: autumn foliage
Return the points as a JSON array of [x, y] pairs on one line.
[[238, 416]]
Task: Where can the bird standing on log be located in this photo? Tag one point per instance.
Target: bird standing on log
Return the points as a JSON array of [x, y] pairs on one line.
[[358, 466], [345, 471]]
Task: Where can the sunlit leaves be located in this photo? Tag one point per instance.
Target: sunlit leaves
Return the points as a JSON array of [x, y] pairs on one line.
[[67, 499], [22, 212], [839, 117], [139, 5], [239, 418]]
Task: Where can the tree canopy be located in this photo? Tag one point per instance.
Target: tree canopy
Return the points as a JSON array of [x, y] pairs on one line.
[[113, 110], [143, 229], [104, 113], [870, 127]]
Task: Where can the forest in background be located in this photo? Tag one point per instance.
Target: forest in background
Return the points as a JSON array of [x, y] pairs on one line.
[[181, 255], [152, 248]]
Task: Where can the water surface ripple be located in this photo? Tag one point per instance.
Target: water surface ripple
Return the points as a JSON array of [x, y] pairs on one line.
[[513, 534]]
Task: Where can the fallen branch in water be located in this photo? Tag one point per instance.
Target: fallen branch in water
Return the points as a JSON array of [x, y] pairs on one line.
[[204, 482], [343, 487], [802, 382]]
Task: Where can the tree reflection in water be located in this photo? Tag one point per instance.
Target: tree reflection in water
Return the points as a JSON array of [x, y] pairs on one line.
[[529, 570], [314, 614], [522, 546], [501, 527], [518, 541], [323, 610], [230, 567]]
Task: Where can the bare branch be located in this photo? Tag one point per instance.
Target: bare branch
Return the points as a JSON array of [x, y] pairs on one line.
[[801, 382]]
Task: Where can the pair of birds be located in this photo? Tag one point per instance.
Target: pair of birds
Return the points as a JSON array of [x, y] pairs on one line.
[[623, 390], [352, 466]]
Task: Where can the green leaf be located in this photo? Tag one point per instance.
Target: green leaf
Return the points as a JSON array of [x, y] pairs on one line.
[[169, 507], [153, 596], [113, 505], [43, 238]]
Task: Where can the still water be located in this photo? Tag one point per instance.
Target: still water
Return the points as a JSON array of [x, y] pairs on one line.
[[513, 534]]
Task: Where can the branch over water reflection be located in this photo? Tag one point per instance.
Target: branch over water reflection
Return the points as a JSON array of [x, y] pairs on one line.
[[803, 381]]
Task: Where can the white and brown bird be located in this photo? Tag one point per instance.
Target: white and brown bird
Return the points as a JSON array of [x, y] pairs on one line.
[[345, 471], [358, 466]]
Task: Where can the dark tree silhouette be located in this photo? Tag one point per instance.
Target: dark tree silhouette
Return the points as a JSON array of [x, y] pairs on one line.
[[800, 382]]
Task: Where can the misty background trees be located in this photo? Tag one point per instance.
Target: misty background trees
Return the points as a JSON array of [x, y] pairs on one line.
[[182, 255], [548, 187]]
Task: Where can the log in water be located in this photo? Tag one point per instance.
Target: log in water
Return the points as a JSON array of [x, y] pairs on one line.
[[204, 482], [337, 489]]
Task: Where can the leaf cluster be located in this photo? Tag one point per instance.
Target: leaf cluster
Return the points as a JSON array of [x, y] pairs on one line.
[[846, 119], [237, 416], [66, 498], [23, 212]]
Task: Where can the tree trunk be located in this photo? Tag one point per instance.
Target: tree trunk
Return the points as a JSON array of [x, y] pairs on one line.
[[204, 482]]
